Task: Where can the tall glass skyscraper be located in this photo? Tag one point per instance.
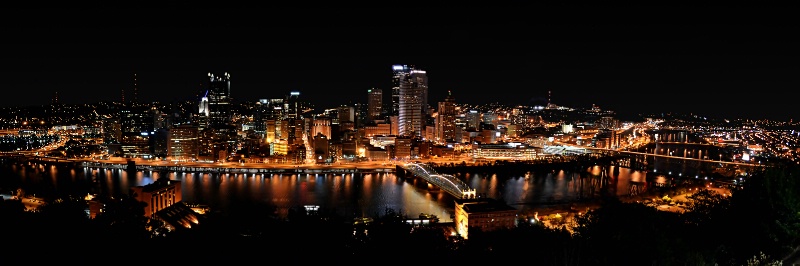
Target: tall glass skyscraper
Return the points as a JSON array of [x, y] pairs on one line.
[[399, 72], [412, 104], [219, 101]]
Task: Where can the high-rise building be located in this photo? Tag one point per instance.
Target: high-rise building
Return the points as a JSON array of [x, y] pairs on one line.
[[293, 130], [446, 120], [204, 106], [219, 101], [183, 143], [360, 110], [137, 119], [402, 148], [399, 72], [374, 104], [346, 114], [272, 131], [321, 149], [136, 125], [292, 105], [394, 128], [473, 120], [413, 103], [321, 125]]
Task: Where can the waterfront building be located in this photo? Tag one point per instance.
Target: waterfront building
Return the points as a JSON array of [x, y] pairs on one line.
[[183, 143], [486, 214], [402, 148], [158, 195], [506, 151], [162, 200]]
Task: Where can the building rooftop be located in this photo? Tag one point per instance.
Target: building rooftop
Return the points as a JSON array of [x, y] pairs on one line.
[[179, 215], [484, 205], [159, 184]]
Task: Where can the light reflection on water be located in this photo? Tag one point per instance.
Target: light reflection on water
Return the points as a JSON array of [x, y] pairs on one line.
[[349, 195]]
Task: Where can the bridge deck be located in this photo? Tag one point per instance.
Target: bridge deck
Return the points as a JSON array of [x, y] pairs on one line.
[[448, 183]]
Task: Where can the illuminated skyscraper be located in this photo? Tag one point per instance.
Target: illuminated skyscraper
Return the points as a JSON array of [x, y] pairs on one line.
[[293, 124], [219, 101], [413, 103], [374, 104], [473, 120], [446, 120], [292, 105], [183, 143], [203, 110], [399, 72]]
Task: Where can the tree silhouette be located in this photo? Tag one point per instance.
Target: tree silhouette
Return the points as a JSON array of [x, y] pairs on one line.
[[624, 233], [123, 219], [767, 214]]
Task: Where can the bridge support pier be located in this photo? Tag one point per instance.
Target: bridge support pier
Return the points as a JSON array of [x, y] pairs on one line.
[[400, 171]]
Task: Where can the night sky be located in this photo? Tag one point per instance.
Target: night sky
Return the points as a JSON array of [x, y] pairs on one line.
[[710, 61]]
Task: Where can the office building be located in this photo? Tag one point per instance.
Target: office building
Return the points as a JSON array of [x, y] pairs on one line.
[[346, 114], [412, 105], [183, 143], [446, 120], [399, 72], [219, 101], [374, 105]]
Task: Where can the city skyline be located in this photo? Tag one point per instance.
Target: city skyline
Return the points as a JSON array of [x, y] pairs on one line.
[[716, 70]]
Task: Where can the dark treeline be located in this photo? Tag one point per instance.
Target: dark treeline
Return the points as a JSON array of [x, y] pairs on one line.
[[757, 224]]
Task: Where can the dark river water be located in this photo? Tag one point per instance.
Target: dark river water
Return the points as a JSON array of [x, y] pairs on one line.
[[350, 195]]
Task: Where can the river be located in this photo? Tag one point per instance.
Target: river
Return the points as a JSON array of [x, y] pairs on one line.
[[349, 195]]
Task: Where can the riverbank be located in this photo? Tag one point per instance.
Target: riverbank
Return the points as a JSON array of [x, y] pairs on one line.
[[210, 167]]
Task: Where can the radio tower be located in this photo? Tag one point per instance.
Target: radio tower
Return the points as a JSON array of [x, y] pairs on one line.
[[135, 89]]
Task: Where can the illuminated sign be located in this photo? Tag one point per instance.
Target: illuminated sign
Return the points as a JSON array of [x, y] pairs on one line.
[[294, 93]]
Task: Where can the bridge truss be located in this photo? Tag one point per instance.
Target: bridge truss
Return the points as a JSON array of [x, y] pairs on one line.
[[448, 183]]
